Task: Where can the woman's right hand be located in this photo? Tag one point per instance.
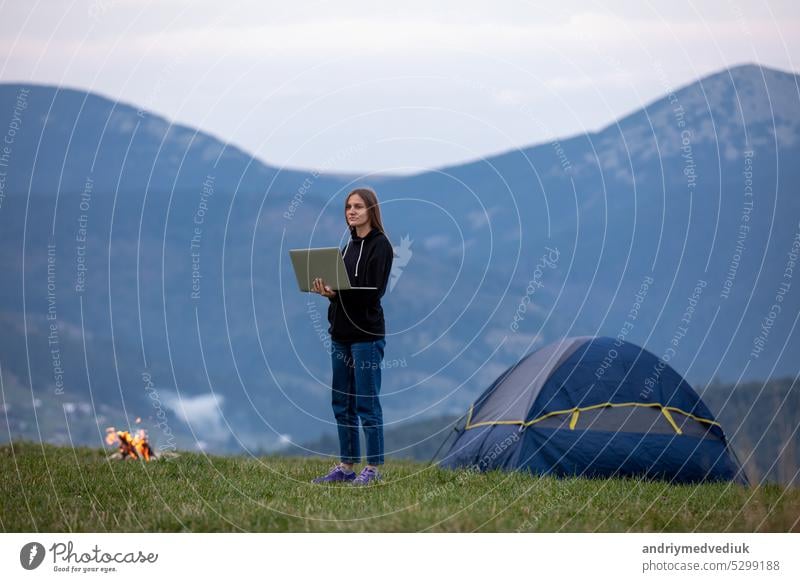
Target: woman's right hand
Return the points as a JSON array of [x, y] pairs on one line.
[[320, 287]]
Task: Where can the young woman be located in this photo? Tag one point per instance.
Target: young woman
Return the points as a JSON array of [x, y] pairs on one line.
[[357, 331]]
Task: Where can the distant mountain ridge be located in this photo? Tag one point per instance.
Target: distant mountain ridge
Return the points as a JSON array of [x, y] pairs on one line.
[[658, 196], [70, 134]]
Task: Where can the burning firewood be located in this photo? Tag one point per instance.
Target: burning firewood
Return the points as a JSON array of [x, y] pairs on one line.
[[130, 446]]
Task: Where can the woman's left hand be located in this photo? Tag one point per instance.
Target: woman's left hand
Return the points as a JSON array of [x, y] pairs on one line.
[[321, 288]]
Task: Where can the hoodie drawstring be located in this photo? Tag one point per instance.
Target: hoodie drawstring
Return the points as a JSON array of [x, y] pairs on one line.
[[359, 255]]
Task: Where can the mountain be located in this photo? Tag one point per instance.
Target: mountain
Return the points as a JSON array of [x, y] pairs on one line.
[[159, 255]]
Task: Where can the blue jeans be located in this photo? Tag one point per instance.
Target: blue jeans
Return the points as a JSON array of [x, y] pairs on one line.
[[355, 387]]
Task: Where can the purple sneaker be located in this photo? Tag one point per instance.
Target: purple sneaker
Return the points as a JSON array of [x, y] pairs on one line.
[[335, 475], [367, 477]]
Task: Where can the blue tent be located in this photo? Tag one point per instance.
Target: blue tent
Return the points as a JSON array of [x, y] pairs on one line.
[[596, 407]]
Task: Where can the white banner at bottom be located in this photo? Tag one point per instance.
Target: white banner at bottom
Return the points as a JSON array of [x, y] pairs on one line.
[[392, 557]]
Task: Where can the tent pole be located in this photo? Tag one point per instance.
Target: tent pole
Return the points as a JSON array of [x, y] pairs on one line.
[[455, 429]]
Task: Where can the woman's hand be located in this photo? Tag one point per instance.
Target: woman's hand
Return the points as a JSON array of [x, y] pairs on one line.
[[320, 287]]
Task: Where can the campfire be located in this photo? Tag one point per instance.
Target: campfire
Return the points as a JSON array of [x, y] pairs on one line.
[[130, 446]]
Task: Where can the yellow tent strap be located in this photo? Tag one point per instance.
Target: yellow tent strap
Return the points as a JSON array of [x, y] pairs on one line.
[[671, 420], [664, 409], [574, 420]]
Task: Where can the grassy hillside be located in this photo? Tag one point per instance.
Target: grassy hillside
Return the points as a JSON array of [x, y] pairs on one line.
[[760, 420], [52, 489]]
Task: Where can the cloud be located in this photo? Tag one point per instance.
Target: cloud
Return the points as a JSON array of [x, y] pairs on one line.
[[480, 218], [202, 413], [286, 83], [437, 241], [427, 34]]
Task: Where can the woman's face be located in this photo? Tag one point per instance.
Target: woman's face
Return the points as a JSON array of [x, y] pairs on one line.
[[356, 211]]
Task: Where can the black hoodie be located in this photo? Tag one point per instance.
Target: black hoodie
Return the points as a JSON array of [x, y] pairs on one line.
[[356, 315]]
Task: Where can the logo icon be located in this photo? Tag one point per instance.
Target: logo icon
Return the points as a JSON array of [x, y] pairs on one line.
[[402, 257], [31, 555]]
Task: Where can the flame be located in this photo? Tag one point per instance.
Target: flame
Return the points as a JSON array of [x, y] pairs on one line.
[[130, 446], [111, 435]]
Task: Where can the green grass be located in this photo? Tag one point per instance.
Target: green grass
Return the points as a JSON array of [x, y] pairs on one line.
[[52, 489]]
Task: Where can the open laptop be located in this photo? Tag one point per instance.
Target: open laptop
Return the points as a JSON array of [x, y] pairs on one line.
[[326, 264]]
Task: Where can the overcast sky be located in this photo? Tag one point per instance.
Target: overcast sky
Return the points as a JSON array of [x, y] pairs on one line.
[[388, 87]]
